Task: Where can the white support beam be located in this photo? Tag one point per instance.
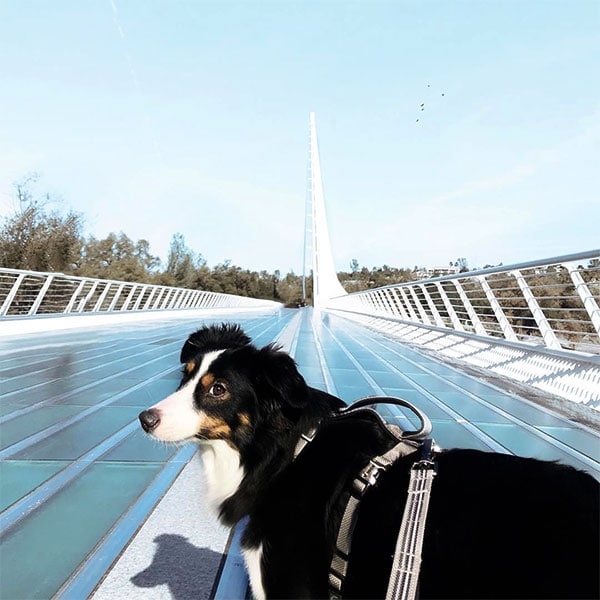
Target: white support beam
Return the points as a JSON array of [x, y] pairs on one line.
[[546, 330], [590, 304], [505, 326]]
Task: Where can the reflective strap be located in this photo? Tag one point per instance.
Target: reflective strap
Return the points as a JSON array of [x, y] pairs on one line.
[[404, 577], [366, 478], [339, 560], [304, 440]]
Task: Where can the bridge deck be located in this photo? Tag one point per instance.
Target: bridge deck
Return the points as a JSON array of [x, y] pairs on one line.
[[79, 481]]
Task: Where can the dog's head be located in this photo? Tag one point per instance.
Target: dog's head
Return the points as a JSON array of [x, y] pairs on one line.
[[229, 390]]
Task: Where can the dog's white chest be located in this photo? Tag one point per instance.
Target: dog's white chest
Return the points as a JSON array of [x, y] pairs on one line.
[[222, 470], [253, 558]]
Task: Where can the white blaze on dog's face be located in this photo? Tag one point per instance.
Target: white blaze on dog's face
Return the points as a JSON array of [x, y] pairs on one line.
[[177, 418], [180, 420]]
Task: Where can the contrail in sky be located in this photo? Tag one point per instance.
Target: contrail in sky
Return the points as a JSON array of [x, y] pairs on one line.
[[134, 77]]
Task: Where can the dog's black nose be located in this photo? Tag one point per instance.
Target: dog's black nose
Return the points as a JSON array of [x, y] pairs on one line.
[[149, 419]]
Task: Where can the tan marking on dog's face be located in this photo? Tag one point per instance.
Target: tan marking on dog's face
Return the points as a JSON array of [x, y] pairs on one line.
[[215, 428], [180, 418], [190, 366], [244, 419], [207, 380]]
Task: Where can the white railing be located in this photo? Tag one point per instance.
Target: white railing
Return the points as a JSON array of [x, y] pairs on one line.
[[553, 302], [29, 293], [537, 322]]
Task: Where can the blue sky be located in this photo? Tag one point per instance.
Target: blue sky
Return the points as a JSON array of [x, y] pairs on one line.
[[155, 117]]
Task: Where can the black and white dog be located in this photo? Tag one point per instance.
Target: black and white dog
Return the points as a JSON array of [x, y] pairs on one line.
[[498, 526]]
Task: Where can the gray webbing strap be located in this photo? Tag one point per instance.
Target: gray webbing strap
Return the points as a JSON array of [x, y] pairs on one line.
[[366, 478], [305, 439], [410, 548], [404, 578]]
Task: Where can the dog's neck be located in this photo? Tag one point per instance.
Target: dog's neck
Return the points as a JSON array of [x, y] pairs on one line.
[[222, 470], [238, 479], [250, 476]]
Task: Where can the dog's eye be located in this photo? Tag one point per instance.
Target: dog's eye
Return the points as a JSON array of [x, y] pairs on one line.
[[217, 389]]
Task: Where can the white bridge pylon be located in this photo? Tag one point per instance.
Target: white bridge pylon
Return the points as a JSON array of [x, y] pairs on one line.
[[325, 282]]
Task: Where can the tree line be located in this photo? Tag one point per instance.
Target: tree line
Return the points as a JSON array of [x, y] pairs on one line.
[[39, 236]]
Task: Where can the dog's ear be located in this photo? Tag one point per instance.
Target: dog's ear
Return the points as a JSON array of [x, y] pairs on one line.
[[213, 337], [278, 373]]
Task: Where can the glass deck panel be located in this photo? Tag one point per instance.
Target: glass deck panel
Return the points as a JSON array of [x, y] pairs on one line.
[[73, 441], [469, 408], [350, 377], [152, 393], [524, 443], [38, 555], [432, 384], [14, 384], [7, 408], [585, 441], [420, 400], [313, 376], [138, 447], [305, 356], [32, 422], [350, 393], [449, 434], [18, 477], [390, 379], [523, 410]]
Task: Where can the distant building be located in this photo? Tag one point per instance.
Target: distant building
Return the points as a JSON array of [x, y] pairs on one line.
[[428, 272]]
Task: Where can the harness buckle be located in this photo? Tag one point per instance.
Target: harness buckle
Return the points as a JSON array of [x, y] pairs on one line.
[[371, 472]]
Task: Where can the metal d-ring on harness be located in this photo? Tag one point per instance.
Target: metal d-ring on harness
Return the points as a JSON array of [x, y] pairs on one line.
[[404, 576]]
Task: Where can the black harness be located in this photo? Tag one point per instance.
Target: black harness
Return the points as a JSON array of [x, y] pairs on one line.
[[404, 576]]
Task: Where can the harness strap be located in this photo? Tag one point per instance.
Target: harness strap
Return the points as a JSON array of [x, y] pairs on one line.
[[366, 479], [305, 439], [404, 577]]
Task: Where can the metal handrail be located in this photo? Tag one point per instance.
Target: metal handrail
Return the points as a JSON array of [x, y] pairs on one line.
[[33, 293], [552, 302]]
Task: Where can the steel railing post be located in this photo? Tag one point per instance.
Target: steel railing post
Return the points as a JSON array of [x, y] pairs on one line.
[[590, 304], [74, 297], [129, 298], [473, 316], [150, 297], [11, 295], [156, 303], [391, 302], [432, 307], [505, 326], [544, 326], [40, 297], [116, 298], [84, 301], [456, 324], [400, 304], [103, 295], [409, 306], [424, 316]]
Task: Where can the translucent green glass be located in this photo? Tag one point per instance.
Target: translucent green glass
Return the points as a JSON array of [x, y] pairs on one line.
[[19, 477], [450, 435], [21, 427], [73, 441], [524, 443], [38, 555], [585, 442], [470, 409], [139, 447]]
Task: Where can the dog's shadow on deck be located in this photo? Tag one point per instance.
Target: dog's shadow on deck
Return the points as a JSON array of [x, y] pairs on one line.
[[189, 571]]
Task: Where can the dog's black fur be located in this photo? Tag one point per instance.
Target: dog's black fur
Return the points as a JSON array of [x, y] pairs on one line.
[[498, 526]]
